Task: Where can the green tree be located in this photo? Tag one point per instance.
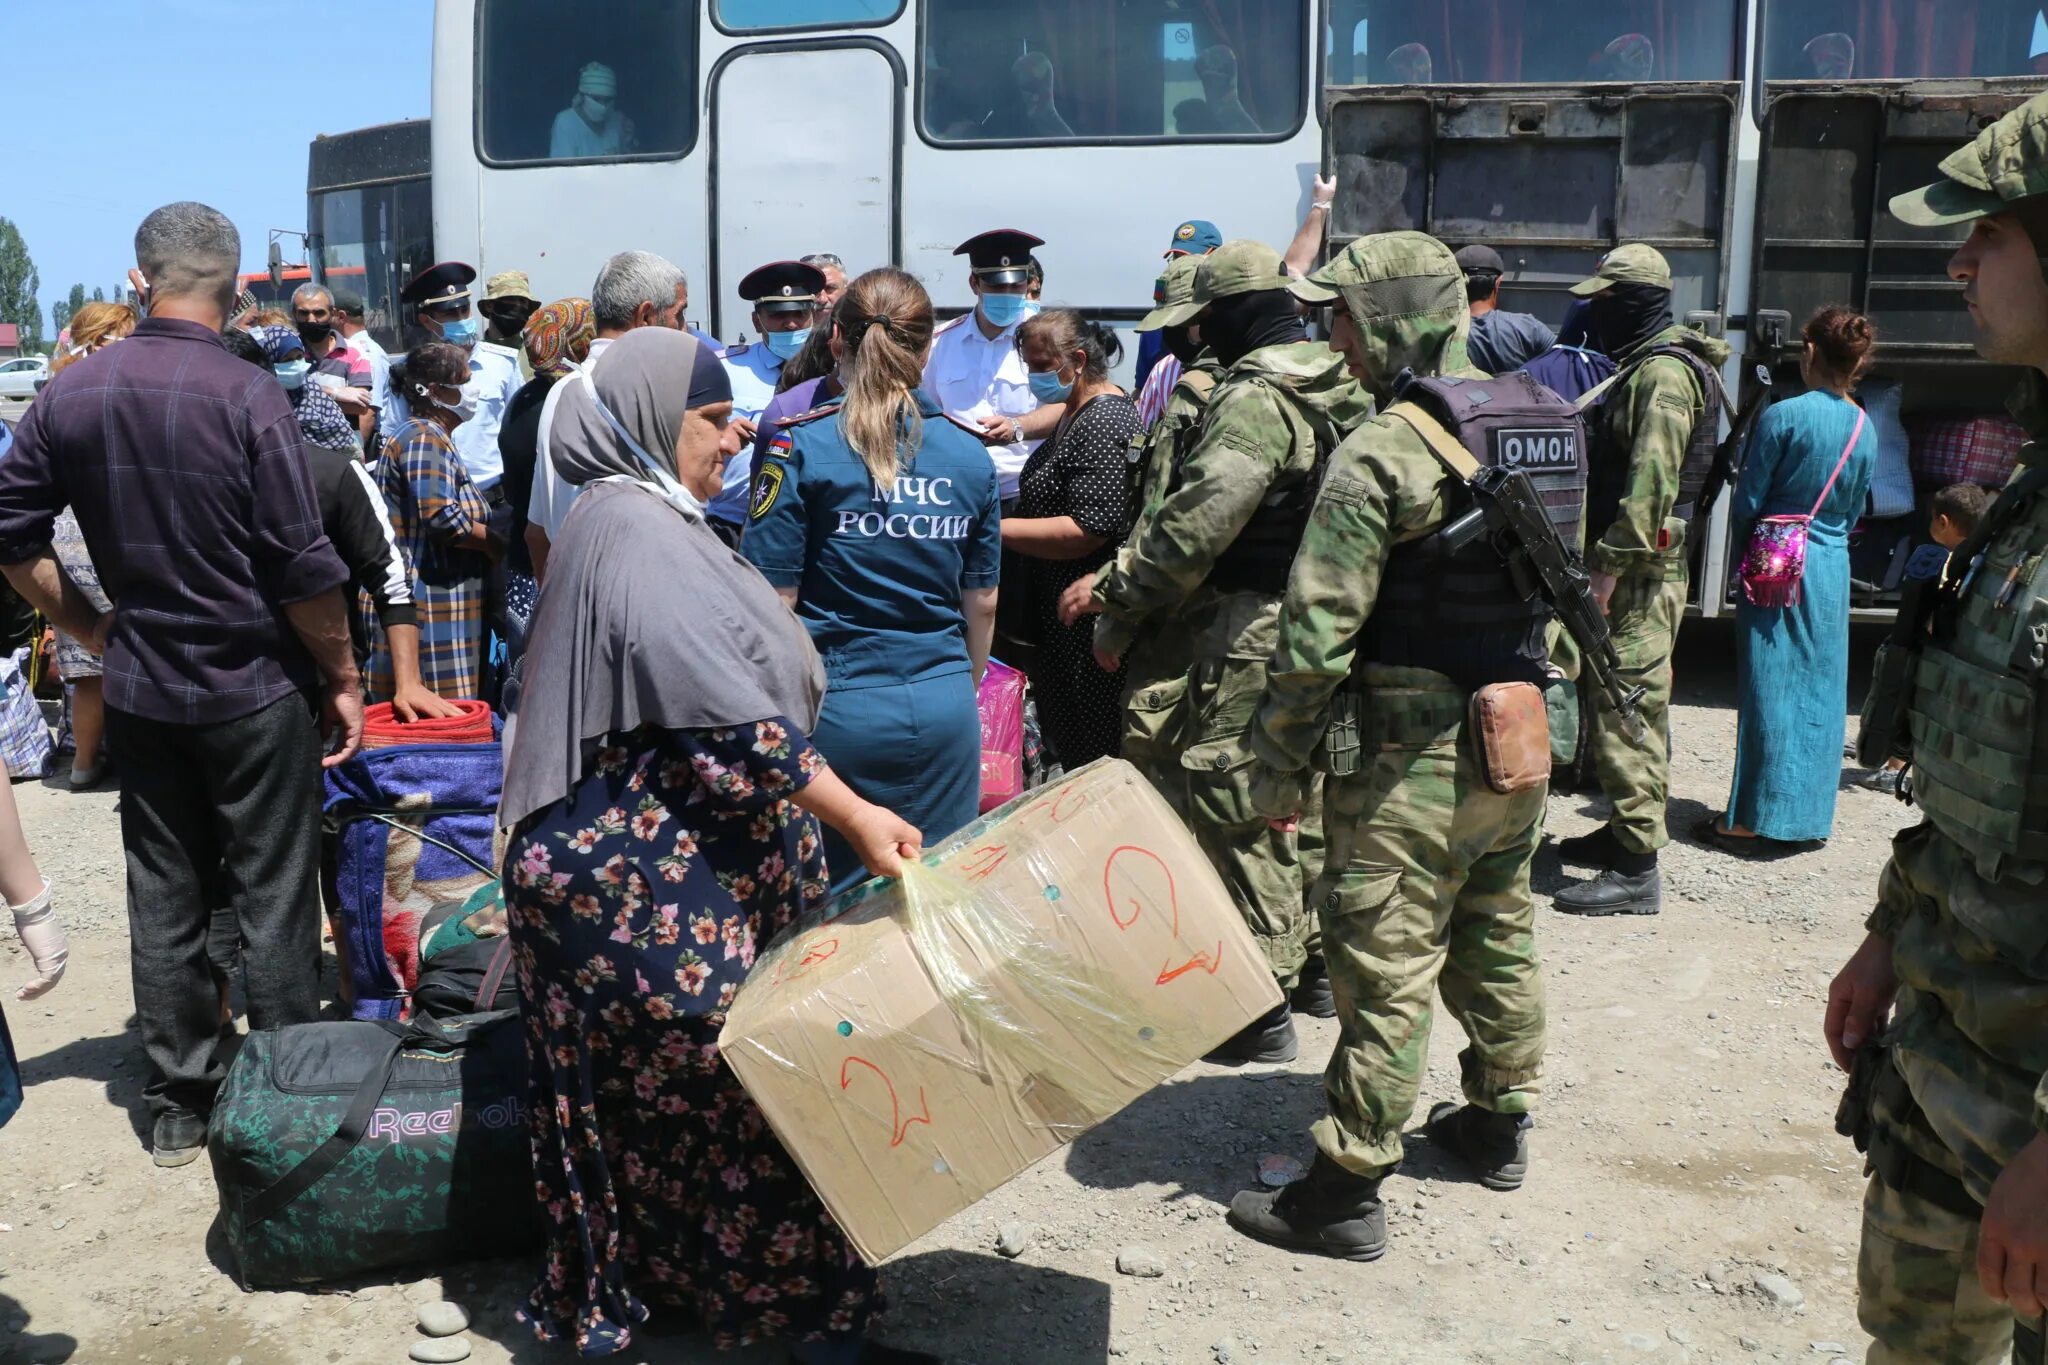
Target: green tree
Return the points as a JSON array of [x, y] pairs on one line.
[[99, 295], [65, 309], [18, 285]]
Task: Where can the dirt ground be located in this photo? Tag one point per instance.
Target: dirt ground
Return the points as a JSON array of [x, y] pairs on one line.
[[1685, 1149]]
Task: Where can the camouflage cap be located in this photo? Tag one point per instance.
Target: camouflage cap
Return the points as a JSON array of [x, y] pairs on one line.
[[1234, 268], [1176, 291], [1390, 274], [2007, 162], [1630, 264]]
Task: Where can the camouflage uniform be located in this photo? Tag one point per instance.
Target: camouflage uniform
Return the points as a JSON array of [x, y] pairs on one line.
[[1651, 413], [1200, 658], [1961, 901], [1427, 886]]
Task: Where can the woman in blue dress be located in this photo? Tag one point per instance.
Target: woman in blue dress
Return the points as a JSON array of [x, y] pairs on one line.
[[1793, 662], [879, 521]]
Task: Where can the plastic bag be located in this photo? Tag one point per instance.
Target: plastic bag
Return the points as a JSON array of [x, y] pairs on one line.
[[1001, 701]]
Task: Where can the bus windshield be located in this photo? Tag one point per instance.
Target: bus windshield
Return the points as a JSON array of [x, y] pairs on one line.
[[1491, 42], [1839, 40], [370, 241]]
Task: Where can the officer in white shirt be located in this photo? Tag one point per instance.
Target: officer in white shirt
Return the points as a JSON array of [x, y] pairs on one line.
[[785, 298], [975, 372]]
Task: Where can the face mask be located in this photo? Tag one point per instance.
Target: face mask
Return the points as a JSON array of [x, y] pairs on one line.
[[463, 332], [787, 345], [311, 332], [292, 374], [1003, 310], [1049, 387], [464, 407]]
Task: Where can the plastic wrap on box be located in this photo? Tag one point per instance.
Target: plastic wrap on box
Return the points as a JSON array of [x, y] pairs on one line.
[[928, 1040]]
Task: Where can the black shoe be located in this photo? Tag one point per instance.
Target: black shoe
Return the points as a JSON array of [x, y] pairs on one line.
[[178, 1138], [1495, 1146], [1614, 892], [1597, 849], [1312, 995], [1330, 1211], [1268, 1039]]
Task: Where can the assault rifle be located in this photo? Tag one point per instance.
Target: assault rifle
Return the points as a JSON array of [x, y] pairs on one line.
[[1510, 511]]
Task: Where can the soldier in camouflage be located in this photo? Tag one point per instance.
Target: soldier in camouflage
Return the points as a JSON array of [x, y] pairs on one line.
[[1199, 583], [1951, 1097], [1652, 445], [1428, 880]]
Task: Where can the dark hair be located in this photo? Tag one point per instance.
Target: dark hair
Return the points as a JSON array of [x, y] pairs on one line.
[[438, 363], [1034, 273], [1961, 503], [1480, 285], [349, 305], [242, 346], [1066, 331], [815, 360], [1841, 338]]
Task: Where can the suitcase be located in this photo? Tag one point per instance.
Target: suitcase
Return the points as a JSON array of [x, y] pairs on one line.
[[349, 1146]]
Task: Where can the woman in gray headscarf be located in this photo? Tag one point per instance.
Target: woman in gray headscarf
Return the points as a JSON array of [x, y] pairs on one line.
[[664, 796]]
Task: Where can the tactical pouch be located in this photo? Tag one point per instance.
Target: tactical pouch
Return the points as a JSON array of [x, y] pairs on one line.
[[1338, 755], [1510, 729], [1852, 1115], [1881, 729]]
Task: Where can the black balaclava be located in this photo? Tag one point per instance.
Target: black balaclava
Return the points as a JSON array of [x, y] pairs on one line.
[[1624, 316], [1236, 326], [1180, 343]]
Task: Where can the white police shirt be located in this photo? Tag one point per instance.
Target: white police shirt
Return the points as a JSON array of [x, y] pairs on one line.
[[974, 378], [754, 371], [493, 379]]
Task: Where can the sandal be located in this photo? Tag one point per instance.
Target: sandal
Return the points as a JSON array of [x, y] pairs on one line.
[[1710, 833]]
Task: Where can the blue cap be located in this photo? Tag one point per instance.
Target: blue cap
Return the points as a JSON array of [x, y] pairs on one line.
[[1195, 237]]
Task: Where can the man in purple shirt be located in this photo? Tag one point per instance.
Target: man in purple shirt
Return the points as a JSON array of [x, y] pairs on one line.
[[184, 467]]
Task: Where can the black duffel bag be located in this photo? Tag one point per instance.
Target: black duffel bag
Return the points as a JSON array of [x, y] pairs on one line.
[[356, 1145]]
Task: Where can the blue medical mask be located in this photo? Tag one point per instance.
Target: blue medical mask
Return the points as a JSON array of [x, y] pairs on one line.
[[787, 345], [1049, 387], [463, 332], [1004, 309], [292, 374]]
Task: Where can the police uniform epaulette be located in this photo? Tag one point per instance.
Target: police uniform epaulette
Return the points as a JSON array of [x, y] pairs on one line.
[[823, 410], [735, 352], [950, 323]]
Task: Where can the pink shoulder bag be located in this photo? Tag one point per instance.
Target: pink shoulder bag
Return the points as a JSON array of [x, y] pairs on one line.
[[1775, 561]]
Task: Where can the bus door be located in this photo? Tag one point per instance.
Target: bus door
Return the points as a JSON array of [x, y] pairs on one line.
[[805, 147]]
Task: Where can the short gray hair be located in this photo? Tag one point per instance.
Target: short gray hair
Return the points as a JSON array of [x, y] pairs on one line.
[[825, 260], [308, 290], [630, 279], [186, 249]]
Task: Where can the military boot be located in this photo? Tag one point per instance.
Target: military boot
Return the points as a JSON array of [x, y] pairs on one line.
[[1330, 1211], [1268, 1039], [1312, 994], [1495, 1146], [1597, 849], [1630, 886]]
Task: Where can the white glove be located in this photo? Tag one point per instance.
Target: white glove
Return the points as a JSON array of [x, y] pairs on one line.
[[46, 944]]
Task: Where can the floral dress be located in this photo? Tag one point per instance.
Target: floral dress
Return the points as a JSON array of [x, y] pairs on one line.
[[637, 904]]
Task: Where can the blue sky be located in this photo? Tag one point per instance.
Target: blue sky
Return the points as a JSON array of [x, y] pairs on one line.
[[123, 105]]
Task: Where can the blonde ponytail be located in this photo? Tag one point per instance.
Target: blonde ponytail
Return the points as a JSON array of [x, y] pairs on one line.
[[885, 325]]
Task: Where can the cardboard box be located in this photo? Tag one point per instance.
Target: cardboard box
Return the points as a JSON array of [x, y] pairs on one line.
[[1047, 966]]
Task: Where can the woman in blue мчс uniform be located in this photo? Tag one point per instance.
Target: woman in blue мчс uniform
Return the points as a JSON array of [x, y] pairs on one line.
[[880, 522]]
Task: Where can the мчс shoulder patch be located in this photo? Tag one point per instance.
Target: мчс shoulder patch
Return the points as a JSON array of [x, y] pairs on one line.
[[767, 488]]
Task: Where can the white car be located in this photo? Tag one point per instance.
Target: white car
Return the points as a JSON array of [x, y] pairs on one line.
[[18, 377]]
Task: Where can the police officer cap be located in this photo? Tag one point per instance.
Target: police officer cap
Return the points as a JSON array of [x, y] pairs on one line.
[[1239, 267], [2008, 162], [1390, 274], [1000, 257], [447, 282], [783, 287]]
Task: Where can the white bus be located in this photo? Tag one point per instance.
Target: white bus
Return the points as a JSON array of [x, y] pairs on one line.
[[883, 131], [1753, 141]]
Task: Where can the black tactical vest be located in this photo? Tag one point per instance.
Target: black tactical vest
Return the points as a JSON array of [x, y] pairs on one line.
[[1461, 612], [1263, 553], [1607, 472]]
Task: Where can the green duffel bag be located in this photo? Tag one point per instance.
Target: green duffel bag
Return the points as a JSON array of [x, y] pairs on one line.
[[349, 1146]]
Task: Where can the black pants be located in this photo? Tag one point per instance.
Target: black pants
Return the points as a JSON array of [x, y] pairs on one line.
[[232, 809]]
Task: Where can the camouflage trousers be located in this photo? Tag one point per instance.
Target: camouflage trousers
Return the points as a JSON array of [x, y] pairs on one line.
[[1187, 736], [1426, 892], [1643, 617], [1916, 1285]]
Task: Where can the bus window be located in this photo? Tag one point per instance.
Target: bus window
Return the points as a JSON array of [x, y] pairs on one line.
[[586, 83], [1495, 42], [1903, 39], [741, 16], [1083, 71]]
